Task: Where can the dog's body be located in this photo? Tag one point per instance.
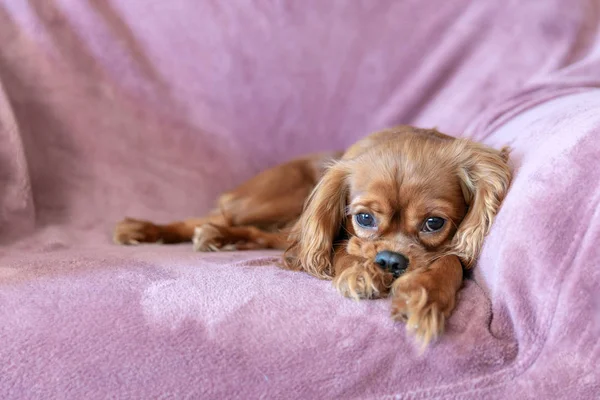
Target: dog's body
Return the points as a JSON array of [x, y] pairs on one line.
[[401, 211]]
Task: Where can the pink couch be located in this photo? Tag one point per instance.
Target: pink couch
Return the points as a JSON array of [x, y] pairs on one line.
[[151, 108]]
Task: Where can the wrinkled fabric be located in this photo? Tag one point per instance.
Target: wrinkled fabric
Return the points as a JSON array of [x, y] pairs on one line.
[[150, 109]]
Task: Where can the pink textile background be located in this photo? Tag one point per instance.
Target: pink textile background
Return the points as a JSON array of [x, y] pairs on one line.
[[152, 108]]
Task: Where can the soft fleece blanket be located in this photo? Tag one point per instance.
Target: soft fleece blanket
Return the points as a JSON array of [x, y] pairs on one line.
[[152, 108]]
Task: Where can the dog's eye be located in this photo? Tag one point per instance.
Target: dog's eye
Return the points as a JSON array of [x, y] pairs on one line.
[[365, 220], [433, 224]]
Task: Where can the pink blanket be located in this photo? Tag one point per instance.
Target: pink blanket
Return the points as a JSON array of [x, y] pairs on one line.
[[151, 108]]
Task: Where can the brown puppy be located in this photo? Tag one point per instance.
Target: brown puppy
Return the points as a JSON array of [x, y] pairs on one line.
[[401, 211]]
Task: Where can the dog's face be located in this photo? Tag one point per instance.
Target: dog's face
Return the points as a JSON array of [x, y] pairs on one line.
[[408, 196], [404, 202]]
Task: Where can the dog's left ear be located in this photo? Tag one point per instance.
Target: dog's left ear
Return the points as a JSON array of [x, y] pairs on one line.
[[485, 178]]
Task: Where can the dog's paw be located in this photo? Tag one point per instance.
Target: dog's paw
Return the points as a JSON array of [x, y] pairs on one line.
[[208, 237], [133, 231], [422, 306], [364, 280]]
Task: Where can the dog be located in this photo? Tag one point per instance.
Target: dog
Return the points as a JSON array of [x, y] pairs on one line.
[[401, 213]]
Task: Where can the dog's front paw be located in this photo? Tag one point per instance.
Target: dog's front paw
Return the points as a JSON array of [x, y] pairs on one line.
[[422, 305], [135, 231], [363, 280]]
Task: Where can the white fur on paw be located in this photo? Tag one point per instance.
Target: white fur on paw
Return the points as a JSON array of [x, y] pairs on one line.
[[208, 238], [204, 238]]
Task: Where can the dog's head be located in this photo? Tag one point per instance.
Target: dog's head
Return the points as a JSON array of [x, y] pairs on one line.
[[412, 195]]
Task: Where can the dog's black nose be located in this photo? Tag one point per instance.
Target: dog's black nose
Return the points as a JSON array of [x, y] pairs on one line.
[[393, 262]]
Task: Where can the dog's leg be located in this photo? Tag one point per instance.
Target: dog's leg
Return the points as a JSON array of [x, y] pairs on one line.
[[424, 298], [211, 237], [272, 199], [135, 231]]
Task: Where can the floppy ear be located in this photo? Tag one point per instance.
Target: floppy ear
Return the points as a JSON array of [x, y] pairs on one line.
[[313, 236], [485, 178]]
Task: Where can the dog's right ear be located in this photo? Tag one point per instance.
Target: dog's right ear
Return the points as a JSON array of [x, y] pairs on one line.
[[313, 236]]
